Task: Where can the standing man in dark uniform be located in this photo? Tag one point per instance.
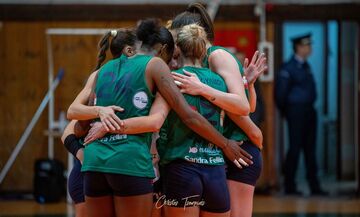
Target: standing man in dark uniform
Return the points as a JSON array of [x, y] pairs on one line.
[[295, 94]]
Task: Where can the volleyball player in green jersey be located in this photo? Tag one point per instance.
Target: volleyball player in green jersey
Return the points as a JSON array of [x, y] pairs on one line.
[[131, 205], [123, 42], [241, 182], [120, 42], [155, 74], [194, 177]]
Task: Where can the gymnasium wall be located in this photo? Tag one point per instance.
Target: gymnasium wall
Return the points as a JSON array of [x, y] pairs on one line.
[[24, 82]]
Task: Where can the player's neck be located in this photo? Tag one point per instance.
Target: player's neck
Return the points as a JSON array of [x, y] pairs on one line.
[[192, 62]]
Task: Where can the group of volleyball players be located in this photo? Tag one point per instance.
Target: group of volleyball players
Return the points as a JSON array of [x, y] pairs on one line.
[[167, 116]]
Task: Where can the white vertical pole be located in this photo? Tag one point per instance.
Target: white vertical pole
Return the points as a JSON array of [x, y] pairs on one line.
[[265, 46], [51, 121], [51, 98], [30, 126], [261, 8]]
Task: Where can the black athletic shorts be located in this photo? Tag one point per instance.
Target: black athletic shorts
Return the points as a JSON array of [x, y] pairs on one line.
[[97, 184], [189, 184], [250, 174]]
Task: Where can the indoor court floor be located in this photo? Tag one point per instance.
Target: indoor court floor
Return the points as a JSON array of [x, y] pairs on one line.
[[269, 206]]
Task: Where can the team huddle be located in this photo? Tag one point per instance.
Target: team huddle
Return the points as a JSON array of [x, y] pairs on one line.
[[163, 128]]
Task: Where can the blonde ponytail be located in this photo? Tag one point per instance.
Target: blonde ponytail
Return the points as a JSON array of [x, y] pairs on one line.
[[191, 40]]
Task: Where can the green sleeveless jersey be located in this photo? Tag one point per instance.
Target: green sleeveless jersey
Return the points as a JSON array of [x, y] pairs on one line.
[[177, 141], [231, 130], [122, 82]]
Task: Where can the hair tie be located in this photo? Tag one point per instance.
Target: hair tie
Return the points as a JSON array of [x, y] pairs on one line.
[[113, 33]]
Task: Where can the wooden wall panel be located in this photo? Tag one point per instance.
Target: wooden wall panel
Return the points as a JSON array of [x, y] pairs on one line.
[[24, 82], [22, 85]]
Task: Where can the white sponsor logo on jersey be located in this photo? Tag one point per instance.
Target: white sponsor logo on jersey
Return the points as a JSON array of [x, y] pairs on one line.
[[140, 100], [193, 150]]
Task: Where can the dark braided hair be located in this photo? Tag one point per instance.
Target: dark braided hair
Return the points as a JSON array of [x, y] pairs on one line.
[[123, 37], [103, 47]]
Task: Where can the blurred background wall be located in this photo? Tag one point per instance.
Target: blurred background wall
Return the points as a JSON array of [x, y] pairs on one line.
[[24, 71]]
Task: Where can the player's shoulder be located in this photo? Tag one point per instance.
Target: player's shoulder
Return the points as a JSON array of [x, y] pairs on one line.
[[219, 56], [156, 64], [218, 51]]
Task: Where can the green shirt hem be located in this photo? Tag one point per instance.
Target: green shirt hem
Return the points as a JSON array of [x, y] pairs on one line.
[[116, 171]]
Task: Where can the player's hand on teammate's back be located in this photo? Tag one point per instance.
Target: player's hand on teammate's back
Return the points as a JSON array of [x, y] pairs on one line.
[[109, 119], [96, 131], [188, 83], [236, 154]]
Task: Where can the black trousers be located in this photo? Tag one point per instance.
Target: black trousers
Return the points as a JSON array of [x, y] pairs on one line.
[[302, 123]]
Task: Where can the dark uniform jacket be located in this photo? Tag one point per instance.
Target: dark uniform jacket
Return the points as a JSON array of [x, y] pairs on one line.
[[294, 85]]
